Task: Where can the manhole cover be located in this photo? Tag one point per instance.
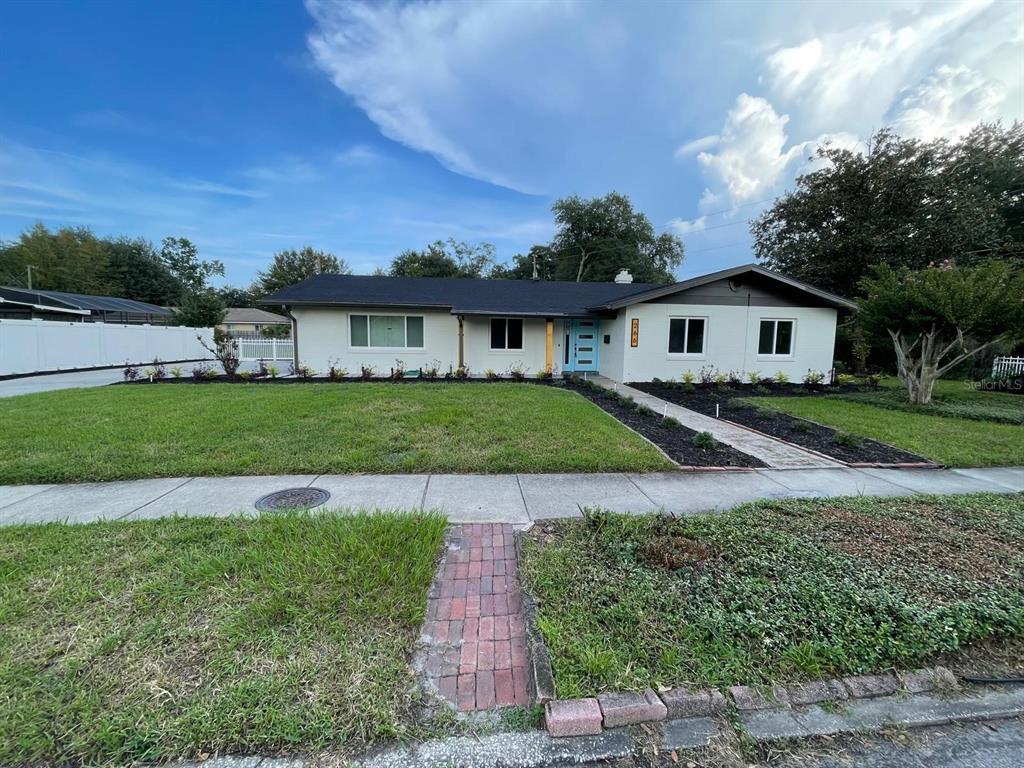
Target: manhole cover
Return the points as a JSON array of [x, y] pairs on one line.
[[293, 498]]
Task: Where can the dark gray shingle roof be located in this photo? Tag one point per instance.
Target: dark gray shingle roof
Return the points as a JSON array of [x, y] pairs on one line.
[[466, 296]]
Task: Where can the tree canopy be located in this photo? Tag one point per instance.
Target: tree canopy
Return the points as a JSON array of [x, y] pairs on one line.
[[444, 258], [940, 316], [293, 266], [904, 202]]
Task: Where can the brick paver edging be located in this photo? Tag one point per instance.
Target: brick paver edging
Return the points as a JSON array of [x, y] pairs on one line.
[[586, 717]]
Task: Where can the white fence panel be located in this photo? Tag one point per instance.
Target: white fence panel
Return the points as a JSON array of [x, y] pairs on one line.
[[1008, 366], [265, 349], [27, 346]]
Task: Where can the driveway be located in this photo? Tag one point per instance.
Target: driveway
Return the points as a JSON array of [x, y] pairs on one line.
[[49, 382]]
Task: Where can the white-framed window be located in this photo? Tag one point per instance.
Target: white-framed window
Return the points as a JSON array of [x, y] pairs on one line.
[[687, 335], [775, 338], [386, 331], [506, 333]]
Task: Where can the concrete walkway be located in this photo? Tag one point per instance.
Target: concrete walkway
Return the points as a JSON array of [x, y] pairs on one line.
[[775, 453], [513, 499], [48, 382]]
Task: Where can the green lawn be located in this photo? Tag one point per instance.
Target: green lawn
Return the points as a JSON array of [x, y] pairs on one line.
[[775, 591], [949, 398], [157, 640], [123, 432], [943, 439]]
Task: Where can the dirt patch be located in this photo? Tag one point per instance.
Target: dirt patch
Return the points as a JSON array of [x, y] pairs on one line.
[[673, 552], [679, 442], [723, 402]]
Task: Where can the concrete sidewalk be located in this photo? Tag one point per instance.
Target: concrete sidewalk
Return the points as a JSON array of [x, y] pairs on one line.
[[514, 499], [774, 453]]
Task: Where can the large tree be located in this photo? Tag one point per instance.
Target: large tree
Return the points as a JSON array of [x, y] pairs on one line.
[[597, 237], [70, 259], [903, 202], [293, 266], [444, 258], [539, 263], [134, 270], [182, 258], [940, 316], [199, 309]]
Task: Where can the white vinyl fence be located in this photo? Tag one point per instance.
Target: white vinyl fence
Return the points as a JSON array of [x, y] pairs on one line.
[[265, 349], [28, 346], [1008, 366]]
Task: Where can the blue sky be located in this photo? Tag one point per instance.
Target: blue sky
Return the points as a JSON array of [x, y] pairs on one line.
[[367, 128]]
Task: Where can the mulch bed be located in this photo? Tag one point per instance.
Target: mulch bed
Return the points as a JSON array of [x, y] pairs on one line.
[[808, 434], [222, 379], [677, 442]]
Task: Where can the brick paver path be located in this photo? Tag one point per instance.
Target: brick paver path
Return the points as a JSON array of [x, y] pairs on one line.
[[476, 655]]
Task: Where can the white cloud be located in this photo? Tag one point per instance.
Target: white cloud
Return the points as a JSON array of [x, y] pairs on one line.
[[697, 145], [948, 102], [751, 153], [685, 227], [212, 187], [358, 155]]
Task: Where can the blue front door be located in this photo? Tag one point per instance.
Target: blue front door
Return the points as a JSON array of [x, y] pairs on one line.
[[583, 345]]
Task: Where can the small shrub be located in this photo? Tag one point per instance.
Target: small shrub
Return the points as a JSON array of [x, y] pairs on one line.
[[705, 441], [544, 375], [799, 425], [706, 375], [271, 370], [130, 373], [245, 375], [626, 400], [669, 422], [813, 379], [689, 388], [847, 439], [461, 373], [517, 372], [210, 373], [431, 371], [366, 372], [735, 379], [398, 372], [689, 377], [302, 371], [873, 379], [721, 379], [177, 371], [149, 374], [335, 372], [643, 410], [201, 372], [490, 374], [656, 380], [224, 349], [842, 379], [754, 377], [781, 378], [159, 370]]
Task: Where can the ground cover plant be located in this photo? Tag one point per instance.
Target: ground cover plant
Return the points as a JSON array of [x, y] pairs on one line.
[[775, 591], [124, 432], [156, 640]]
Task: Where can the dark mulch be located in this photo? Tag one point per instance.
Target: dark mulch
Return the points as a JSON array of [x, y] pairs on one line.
[[676, 441], [808, 434], [223, 379]]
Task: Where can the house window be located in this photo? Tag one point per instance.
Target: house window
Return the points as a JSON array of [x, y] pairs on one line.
[[775, 337], [506, 333], [686, 335], [387, 331]]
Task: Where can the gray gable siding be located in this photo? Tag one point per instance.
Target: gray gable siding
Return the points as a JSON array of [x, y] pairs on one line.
[[752, 290]]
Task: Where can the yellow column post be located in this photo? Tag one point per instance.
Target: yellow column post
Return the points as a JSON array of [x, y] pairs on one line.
[[547, 346]]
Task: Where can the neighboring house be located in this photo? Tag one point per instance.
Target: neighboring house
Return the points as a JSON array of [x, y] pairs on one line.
[[242, 321], [27, 304], [742, 319]]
